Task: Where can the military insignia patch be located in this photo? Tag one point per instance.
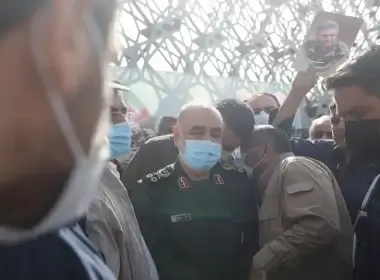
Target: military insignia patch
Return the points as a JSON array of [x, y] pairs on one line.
[[227, 167], [164, 173], [153, 179], [238, 169], [181, 218], [182, 182], [218, 179]]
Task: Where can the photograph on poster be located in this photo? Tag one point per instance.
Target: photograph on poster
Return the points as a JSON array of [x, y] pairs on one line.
[[327, 44]]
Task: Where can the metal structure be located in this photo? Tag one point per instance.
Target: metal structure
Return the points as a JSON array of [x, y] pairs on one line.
[[245, 40]]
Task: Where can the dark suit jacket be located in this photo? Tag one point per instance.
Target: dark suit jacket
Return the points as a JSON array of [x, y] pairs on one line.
[[157, 153]]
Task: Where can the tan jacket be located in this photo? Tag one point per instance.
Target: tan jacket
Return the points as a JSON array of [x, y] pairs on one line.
[[305, 229], [112, 227]]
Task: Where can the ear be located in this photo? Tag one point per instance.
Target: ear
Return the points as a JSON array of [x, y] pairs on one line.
[[176, 136], [67, 43]]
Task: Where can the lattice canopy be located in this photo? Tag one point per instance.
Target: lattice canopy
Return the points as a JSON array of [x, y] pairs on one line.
[[251, 39]]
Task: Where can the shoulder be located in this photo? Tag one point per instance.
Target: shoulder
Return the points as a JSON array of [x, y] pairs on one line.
[[160, 139], [297, 169], [318, 149], [158, 176], [230, 168]]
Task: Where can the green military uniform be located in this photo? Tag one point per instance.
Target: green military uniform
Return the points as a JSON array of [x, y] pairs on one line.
[[321, 59], [198, 230]]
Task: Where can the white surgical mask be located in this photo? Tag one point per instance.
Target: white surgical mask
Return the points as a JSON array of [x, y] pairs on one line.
[[262, 118], [84, 179]]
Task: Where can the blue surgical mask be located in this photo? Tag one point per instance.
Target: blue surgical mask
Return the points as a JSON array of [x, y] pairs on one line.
[[120, 139], [201, 155]]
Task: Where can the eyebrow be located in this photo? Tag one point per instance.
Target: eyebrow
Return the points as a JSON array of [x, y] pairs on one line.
[[216, 129], [197, 128]]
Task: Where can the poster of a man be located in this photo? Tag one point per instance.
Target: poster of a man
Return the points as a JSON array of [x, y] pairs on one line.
[[328, 43], [326, 49]]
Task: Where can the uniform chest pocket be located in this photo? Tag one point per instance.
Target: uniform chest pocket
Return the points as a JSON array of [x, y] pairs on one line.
[[206, 236]]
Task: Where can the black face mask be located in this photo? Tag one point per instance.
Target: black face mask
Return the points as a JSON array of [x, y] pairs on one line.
[[363, 138]]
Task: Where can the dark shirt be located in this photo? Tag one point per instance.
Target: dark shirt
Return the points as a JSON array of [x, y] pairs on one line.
[[203, 230], [367, 231], [62, 255], [354, 178]]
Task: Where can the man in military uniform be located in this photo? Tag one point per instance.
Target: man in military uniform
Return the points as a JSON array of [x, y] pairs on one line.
[[198, 216], [160, 151], [326, 49], [305, 228]]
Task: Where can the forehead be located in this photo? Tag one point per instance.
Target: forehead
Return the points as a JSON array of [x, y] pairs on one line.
[[329, 31], [206, 118], [263, 101], [323, 126]]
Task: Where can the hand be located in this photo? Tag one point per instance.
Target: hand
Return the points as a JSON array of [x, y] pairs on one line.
[[305, 81], [257, 274]]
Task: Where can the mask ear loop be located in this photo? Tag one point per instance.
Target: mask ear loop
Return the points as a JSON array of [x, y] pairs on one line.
[[262, 158], [62, 117]]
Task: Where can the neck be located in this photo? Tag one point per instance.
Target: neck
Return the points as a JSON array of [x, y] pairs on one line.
[[193, 174]]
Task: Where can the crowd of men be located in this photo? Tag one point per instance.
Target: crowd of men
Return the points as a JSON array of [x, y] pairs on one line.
[[217, 195]]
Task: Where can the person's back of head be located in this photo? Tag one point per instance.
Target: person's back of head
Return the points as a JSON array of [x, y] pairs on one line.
[[52, 59], [166, 124], [273, 136], [239, 122]]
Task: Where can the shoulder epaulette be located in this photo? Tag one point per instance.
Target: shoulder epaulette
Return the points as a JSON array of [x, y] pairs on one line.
[[160, 174], [232, 167]]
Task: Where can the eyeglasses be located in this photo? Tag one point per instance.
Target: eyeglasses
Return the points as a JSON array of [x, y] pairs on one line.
[[322, 134], [267, 110]]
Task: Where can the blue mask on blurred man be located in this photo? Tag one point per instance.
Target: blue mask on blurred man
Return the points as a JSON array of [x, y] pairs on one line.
[[120, 139]]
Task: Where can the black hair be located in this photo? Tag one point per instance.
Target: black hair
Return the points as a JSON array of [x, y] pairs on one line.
[[362, 71], [238, 117], [327, 24], [15, 12], [263, 134], [163, 124]]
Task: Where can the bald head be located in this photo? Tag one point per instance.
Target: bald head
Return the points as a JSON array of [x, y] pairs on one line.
[[192, 108], [198, 121]]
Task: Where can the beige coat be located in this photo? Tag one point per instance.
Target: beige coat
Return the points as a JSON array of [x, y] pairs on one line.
[[112, 226], [305, 229]]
